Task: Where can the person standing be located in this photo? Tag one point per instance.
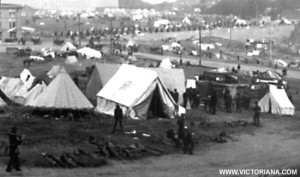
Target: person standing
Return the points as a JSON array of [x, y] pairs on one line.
[[180, 130], [189, 140], [238, 103], [118, 115], [175, 95], [228, 102], [257, 110], [213, 102], [14, 142], [185, 99]]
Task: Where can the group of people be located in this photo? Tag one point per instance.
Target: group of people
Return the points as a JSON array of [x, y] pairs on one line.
[[211, 102], [191, 96]]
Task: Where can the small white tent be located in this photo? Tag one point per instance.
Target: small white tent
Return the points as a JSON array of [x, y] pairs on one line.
[[55, 70], [27, 78], [10, 86], [139, 92], [71, 60], [276, 101], [68, 47], [166, 64]]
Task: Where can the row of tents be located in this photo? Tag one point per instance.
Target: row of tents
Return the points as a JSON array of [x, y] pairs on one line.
[[141, 93]]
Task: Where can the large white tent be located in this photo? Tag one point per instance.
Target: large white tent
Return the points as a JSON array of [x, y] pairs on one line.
[[172, 79], [139, 92], [101, 74], [61, 93], [276, 101]]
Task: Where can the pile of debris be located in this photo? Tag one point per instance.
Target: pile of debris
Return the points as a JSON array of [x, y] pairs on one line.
[[238, 123], [220, 138], [105, 150], [78, 159]]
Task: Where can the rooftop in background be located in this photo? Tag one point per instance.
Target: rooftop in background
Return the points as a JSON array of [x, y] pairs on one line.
[[10, 6]]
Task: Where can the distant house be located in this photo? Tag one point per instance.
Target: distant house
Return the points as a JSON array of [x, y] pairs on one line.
[[291, 15], [265, 20], [9, 19]]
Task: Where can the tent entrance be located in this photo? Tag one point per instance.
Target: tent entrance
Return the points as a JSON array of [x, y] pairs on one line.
[[156, 108]]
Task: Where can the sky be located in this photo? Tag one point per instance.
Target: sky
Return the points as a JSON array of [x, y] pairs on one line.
[[71, 4]]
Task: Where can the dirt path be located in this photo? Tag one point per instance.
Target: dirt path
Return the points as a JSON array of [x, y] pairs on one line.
[[294, 74], [274, 145]]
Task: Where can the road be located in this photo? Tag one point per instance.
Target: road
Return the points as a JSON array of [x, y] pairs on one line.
[[293, 74]]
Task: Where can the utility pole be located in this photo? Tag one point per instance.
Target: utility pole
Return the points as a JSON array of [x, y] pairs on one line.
[[79, 25], [0, 22], [110, 36], [200, 62], [65, 24], [271, 44], [230, 33]]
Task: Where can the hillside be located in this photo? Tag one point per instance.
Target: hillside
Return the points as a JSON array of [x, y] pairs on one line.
[[252, 8]]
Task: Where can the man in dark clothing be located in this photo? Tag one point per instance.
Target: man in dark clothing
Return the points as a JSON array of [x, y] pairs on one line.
[[175, 95], [228, 102], [185, 99], [284, 72], [189, 142], [256, 114], [238, 67], [118, 115], [213, 102], [238, 103], [180, 130], [14, 142]]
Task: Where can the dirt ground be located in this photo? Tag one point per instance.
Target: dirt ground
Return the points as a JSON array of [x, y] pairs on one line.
[[274, 145]]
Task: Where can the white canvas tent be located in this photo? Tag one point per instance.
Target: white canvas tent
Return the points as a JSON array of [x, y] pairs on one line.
[[2, 102], [27, 78], [90, 53], [55, 70], [61, 93], [172, 79], [10, 86], [101, 74], [71, 60], [139, 92], [131, 43], [277, 102], [24, 95], [68, 46], [34, 92], [166, 64]]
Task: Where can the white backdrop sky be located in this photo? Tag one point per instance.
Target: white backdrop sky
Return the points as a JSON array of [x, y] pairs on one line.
[[72, 4]]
